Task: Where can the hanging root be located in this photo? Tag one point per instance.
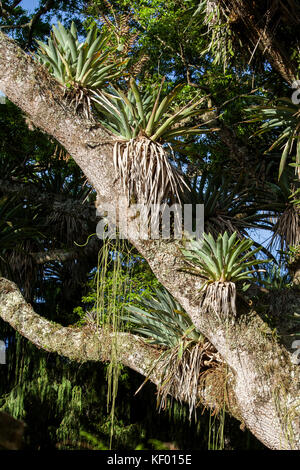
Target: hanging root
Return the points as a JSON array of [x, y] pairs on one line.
[[80, 98], [146, 173], [220, 297], [287, 228], [182, 372]]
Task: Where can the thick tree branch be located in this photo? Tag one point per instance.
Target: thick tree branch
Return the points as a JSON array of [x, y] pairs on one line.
[[268, 408], [62, 255], [42, 11], [90, 343], [8, 11], [79, 344]]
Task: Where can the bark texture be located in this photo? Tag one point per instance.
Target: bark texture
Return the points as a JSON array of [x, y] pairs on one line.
[[90, 343], [266, 383]]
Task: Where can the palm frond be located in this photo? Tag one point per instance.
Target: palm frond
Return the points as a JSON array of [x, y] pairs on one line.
[[285, 212], [283, 116], [227, 205], [13, 227]]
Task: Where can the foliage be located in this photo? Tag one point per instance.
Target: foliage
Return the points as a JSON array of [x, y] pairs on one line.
[[162, 321], [286, 216], [295, 196], [73, 399], [228, 259], [281, 114], [13, 228], [221, 263], [185, 49], [147, 113], [274, 278], [144, 121], [218, 29], [83, 68], [227, 205], [140, 283]]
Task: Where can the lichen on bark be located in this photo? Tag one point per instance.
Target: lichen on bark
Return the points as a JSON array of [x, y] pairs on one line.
[[246, 351]]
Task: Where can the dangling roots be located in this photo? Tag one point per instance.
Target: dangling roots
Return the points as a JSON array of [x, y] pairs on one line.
[[182, 372], [79, 98], [287, 228], [146, 173], [220, 297]]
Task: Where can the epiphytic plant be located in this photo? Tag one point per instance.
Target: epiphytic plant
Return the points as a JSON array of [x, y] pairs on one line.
[[83, 68]]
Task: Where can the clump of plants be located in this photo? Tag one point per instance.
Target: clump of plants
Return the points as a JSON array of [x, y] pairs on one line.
[[222, 264], [144, 123], [186, 353], [82, 68], [282, 115]]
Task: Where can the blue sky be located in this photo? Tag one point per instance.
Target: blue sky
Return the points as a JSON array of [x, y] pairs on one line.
[[30, 4]]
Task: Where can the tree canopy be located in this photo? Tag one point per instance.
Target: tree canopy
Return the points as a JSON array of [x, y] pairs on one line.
[[117, 103]]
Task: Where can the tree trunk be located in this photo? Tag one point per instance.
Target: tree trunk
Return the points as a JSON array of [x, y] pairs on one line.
[[258, 31], [266, 383]]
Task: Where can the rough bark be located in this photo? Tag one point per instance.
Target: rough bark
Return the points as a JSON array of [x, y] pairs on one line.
[[91, 343], [266, 383]]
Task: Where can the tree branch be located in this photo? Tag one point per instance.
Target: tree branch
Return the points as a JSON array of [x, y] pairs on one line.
[[242, 342], [31, 25], [90, 343]]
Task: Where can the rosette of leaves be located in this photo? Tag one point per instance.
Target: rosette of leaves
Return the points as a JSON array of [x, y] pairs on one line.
[[282, 116], [84, 68], [222, 263], [143, 122], [226, 205], [274, 278], [186, 354]]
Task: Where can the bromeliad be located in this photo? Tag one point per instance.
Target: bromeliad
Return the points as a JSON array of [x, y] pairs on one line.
[[83, 68], [144, 123], [222, 264]]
